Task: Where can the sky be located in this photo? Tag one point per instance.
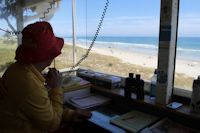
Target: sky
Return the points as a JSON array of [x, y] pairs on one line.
[[123, 18]]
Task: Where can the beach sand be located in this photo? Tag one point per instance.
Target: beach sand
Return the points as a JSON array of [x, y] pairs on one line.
[[187, 67], [117, 62], [114, 61]]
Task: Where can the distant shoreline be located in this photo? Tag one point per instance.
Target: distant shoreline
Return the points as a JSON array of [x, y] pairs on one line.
[[188, 48], [187, 67]]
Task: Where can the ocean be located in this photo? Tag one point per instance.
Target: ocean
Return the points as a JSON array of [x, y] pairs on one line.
[[188, 48]]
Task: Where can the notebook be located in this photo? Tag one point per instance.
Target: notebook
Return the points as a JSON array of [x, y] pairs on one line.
[[134, 121], [168, 126]]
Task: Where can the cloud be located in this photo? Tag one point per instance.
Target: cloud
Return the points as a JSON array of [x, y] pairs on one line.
[[127, 25], [189, 25]]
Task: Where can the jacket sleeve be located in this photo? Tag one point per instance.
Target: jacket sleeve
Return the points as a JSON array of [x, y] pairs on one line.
[[68, 115], [43, 109], [2, 90]]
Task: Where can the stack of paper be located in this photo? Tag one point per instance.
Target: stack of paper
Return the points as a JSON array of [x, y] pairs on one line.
[[74, 83], [104, 121], [88, 101]]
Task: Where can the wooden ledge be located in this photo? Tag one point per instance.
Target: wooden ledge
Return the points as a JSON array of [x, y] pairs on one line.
[[181, 115]]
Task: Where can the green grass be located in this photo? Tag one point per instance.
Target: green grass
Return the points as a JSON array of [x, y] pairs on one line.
[[7, 55], [96, 62]]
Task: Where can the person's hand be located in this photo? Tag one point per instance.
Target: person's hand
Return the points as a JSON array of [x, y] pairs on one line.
[[81, 114], [53, 79]]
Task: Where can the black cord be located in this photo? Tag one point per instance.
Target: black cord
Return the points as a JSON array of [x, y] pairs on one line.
[[11, 32], [48, 10], [94, 38], [41, 18]]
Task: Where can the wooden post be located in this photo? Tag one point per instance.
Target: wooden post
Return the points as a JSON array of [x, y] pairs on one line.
[[74, 30], [19, 20], [167, 50]]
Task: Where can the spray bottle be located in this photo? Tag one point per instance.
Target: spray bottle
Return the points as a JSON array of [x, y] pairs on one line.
[[153, 85]]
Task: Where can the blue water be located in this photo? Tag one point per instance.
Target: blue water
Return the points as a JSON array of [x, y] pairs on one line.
[[187, 47]]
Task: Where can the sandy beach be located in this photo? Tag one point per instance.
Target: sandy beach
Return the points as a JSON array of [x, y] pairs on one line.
[[117, 62], [187, 67]]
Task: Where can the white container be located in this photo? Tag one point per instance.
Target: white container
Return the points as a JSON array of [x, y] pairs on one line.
[[153, 85], [195, 99]]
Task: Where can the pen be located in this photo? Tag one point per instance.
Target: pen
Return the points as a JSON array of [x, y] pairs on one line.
[[128, 118], [54, 63]]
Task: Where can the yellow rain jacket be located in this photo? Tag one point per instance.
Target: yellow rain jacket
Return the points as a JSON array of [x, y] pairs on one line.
[[25, 104]]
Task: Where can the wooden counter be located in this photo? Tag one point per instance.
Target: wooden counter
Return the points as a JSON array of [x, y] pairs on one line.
[[121, 104]]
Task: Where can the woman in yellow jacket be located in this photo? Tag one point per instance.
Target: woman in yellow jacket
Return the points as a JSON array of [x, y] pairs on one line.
[[29, 103]]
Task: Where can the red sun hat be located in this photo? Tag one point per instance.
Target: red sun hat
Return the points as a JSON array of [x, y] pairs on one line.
[[38, 44]]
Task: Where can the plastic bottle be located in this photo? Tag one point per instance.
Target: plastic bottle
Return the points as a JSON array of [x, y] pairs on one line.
[[153, 85], [195, 100]]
